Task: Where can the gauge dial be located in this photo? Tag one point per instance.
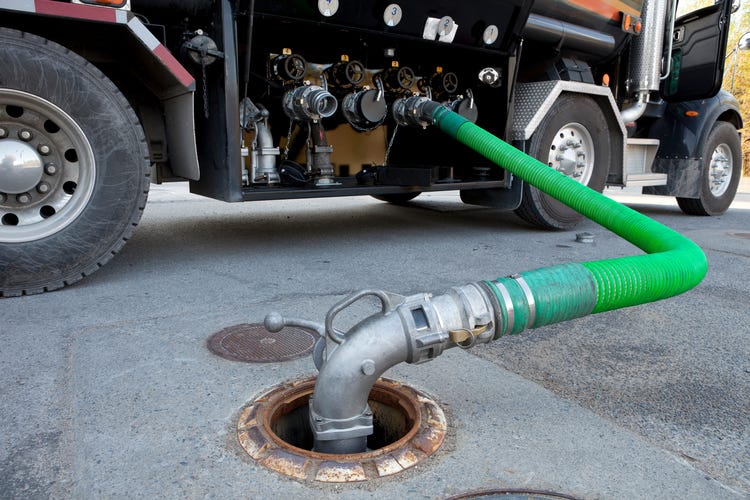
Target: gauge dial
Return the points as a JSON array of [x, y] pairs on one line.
[[328, 7], [490, 35], [392, 15]]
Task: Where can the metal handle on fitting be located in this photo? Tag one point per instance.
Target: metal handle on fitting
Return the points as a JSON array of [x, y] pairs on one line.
[[275, 322], [338, 336]]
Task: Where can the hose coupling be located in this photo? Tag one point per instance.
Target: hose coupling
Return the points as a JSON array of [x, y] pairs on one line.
[[331, 429], [415, 111], [309, 103], [462, 317]]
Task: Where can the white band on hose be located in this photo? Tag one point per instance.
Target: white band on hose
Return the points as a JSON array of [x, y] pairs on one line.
[[508, 307], [529, 298]]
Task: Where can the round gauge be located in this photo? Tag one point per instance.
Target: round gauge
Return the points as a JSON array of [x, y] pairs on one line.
[[392, 15], [446, 26], [490, 35], [328, 7]]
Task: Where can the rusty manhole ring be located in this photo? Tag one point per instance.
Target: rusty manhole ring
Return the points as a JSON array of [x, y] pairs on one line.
[[513, 494], [252, 343], [273, 430]]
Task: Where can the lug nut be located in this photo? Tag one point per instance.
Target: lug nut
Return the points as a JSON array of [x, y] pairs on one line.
[[50, 169], [3, 133], [25, 135], [43, 188], [44, 149], [23, 198], [3, 197]]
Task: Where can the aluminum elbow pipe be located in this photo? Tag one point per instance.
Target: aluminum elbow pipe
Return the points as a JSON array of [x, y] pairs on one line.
[[408, 329], [340, 417]]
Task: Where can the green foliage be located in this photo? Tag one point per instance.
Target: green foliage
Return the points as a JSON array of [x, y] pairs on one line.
[[737, 74]]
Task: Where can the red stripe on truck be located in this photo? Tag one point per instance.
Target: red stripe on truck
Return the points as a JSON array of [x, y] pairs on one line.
[[174, 66], [75, 10]]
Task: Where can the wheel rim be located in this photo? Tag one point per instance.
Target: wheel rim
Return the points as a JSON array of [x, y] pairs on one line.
[[720, 170], [572, 152], [47, 168]]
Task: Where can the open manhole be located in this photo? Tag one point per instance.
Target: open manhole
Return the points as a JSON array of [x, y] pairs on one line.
[[252, 343], [509, 494], [274, 430]]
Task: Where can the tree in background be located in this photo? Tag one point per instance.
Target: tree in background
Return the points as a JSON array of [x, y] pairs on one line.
[[737, 74]]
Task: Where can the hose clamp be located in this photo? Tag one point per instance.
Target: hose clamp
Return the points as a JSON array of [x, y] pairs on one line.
[[529, 298], [328, 429], [509, 310]]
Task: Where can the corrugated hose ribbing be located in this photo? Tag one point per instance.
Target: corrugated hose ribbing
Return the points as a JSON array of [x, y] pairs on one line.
[[672, 265]]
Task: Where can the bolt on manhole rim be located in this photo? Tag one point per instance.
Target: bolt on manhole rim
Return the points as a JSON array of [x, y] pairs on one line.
[[252, 343], [261, 419]]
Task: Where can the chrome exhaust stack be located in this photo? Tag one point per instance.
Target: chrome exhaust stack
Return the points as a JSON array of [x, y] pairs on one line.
[[646, 54]]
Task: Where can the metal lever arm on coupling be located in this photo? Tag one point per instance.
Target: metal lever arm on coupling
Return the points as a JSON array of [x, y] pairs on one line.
[[339, 337]]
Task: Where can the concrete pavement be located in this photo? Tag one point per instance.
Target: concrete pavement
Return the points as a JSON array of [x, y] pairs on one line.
[[109, 390]]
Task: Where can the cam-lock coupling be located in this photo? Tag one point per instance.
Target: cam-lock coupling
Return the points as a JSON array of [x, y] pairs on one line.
[[414, 111], [462, 317], [309, 103]]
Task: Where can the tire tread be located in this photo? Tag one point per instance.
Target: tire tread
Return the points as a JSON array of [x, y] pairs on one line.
[[141, 143]]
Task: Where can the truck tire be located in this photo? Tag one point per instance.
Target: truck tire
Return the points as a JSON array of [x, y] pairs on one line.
[[74, 166], [720, 172], [574, 139], [397, 198]]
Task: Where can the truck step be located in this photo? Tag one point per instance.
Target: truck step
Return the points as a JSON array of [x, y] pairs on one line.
[[639, 157], [646, 180]]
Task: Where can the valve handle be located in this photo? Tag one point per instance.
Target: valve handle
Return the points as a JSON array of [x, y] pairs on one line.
[[274, 322]]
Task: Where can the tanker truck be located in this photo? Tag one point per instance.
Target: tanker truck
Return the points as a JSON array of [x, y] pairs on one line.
[[267, 100]]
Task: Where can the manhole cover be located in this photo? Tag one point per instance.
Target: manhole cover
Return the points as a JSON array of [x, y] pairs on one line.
[[252, 343], [512, 495], [274, 430]]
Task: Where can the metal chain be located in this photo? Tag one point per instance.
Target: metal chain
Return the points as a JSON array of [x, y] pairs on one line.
[[390, 145], [205, 88], [288, 139]]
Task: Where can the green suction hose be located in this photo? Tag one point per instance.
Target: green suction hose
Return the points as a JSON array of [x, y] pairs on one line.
[[673, 263], [418, 328]]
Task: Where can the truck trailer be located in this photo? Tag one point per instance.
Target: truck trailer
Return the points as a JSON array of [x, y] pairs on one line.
[[265, 100]]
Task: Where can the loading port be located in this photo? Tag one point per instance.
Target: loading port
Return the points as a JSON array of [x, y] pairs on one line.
[[274, 430]]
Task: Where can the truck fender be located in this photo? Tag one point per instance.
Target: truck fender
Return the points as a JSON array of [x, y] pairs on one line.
[[532, 101], [681, 133], [170, 82]]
